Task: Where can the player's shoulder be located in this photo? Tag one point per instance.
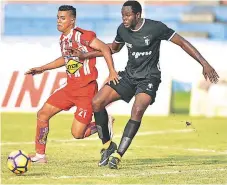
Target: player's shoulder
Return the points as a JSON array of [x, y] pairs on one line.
[[85, 37], [83, 31], [154, 25], [121, 27], [152, 22]]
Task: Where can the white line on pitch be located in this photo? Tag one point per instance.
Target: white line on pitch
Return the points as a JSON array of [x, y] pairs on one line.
[[186, 149], [142, 174], [96, 138]]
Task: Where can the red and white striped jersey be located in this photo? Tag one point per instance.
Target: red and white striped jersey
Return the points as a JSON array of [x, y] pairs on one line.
[[79, 72]]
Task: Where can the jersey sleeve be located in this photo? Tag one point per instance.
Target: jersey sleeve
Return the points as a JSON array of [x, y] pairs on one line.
[[118, 38], [87, 38], [165, 33]]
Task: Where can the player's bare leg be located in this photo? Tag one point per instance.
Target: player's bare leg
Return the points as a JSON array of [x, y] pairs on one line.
[[104, 97], [80, 130], [42, 130], [142, 101]]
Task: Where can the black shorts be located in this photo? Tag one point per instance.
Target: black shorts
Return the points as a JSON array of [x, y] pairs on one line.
[[127, 87]]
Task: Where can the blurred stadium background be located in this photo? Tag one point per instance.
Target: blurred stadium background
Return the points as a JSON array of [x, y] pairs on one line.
[[29, 38]]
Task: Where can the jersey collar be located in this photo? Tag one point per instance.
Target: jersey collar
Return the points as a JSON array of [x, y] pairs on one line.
[[140, 26], [69, 35]]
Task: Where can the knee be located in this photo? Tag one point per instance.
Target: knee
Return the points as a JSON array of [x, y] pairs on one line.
[[77, 135], [96, 104], [43, 115], [138, 112]]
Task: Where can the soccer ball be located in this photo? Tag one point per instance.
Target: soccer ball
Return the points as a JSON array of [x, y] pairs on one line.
[[18, 162]]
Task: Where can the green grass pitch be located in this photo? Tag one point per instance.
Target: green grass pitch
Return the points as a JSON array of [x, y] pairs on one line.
[[165, 151]]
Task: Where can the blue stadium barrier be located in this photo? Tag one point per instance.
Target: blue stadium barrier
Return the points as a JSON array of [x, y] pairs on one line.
[[114, 12], [107, 28], [30, 27], [165, 13], [40, 19], [31, 10], [50, 10], [47, 26], [94, 11], [178, 86], [215, 30], [221, 13]]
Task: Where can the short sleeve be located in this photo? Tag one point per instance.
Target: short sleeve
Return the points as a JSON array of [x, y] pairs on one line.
[[87, 38], [118, 38], [166, 33]]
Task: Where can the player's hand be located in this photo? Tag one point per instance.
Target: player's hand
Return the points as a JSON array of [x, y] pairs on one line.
[[76, 53], [113, 76], [209, 72], [34, 71]]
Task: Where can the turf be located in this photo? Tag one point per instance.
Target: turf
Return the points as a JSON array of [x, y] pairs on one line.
[[181, 102], [165, 151]]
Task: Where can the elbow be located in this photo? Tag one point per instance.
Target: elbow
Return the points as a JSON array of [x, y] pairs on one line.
[[110, 49], [106, 49], [114, 51]]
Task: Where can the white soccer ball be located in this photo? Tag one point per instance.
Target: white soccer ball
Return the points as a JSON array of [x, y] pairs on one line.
[[18, 162]]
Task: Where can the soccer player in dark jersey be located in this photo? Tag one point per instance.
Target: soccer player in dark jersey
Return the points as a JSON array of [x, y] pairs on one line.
[[141, 77]]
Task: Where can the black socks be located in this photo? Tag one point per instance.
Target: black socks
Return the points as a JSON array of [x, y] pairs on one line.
[[130, 131], [101, 120]]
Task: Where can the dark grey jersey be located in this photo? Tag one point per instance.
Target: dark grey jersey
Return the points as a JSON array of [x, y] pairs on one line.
[[143, 47]]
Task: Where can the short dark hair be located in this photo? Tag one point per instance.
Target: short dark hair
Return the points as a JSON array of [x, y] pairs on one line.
[[68, 8], [135, 5]]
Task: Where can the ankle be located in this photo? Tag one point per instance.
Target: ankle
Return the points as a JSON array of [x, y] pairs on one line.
[[117, 155], [107, 144]]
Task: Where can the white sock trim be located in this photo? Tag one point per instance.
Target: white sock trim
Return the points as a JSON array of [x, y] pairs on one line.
[[40, 155]]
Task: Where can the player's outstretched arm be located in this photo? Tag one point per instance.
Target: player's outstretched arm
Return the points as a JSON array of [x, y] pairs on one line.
[[208, 70], [59, 62]]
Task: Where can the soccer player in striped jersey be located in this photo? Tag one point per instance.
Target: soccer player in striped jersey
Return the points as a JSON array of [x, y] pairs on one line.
[[81, 83]]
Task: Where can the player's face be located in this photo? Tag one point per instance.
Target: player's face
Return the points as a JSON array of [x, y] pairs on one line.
[[65, 21], [129, 18]]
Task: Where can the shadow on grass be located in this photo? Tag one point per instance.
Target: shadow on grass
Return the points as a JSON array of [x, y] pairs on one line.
[[178, 161], [30, 174]]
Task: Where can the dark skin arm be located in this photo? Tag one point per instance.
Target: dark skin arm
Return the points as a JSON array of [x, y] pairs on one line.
[[208, 70]]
